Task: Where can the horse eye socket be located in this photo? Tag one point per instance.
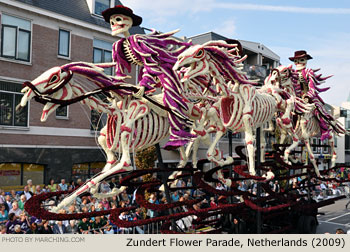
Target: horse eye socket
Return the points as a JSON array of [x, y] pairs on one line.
[[54, 78], [199, 53]]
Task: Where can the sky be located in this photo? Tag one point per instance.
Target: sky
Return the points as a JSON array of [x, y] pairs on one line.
[[321, 27]]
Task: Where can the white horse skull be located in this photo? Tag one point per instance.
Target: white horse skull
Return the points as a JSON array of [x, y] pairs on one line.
[[50, 84]]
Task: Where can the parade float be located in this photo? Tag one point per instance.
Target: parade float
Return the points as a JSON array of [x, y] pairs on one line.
[[201, 91]]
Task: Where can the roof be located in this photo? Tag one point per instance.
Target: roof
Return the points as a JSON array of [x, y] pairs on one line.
[[77, 9], [249, 45]]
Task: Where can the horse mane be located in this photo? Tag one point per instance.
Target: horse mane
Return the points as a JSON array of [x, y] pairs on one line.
[[95, 74], [227, 63], [315, 81]]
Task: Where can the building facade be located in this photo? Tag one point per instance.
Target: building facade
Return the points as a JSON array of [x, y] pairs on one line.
[[35, 36]]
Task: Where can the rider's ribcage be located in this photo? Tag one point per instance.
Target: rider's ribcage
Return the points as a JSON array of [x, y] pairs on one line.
[[145, 132], [262, 110]]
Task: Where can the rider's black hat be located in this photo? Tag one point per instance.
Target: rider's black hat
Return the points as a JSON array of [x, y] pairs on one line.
[[300, 54], [120, 9]]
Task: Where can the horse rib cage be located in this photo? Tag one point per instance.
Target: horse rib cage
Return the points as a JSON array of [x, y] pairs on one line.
[[146, 131], [263, 108]]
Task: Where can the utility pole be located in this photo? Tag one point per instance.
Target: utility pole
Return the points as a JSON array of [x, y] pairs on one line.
[[258, 173], [164, 181]]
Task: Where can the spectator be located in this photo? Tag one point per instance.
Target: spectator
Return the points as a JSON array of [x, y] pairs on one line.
[[175, 197], [105, 204], [109, 230], [27, 193], [113, 183], [8, 202], [3, 214], [45, 228], [30, 185], [52, 186], [22, 201], [124, 196], [59, 228], [38, 190], [276, 187], [15, 209], [14, 196], [137, 216], [84, 226], [72, 185], [219, 186], [153, 200], [97, 225], [2, 229], [63, 186], [72, 228], [79, 182], [11, 223], [33, 229], [18, 230], [212, 202], [24, 222], [340, 231], [2, 196], [104, 187]]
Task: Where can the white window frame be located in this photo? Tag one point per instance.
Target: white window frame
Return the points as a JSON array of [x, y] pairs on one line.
[[14, 60], [28, 104], [103, 52], [62, 117], [69, 44], [111, 3]]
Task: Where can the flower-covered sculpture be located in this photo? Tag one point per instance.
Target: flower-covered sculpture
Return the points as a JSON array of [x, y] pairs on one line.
[[307, 87], [308, 124], [155, 55], [213, 67], [132, 124]]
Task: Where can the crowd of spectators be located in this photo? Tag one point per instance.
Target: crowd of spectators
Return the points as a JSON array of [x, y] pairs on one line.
[[15, 220]]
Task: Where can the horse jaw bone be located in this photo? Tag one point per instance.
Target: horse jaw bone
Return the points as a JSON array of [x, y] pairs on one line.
[[63, 94]]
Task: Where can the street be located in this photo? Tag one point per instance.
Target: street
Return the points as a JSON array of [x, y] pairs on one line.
[[335, 216]]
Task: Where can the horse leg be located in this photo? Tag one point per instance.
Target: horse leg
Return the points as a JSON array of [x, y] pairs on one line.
[[195, 150], [212, 151], [334, 154], [249, 140], [262, 146], [111, 158], [312, 157]]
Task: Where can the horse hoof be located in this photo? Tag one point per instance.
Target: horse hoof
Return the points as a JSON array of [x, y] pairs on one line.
[[54, 210]]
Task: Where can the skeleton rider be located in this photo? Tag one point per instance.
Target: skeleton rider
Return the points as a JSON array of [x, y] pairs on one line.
[[307, 89], [153, 54]]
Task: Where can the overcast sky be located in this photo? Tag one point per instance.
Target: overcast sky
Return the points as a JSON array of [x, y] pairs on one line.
[[321, 27]]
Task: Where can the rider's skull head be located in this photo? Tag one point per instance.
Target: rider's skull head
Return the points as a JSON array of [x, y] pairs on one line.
[[300, 63], [120, 23]]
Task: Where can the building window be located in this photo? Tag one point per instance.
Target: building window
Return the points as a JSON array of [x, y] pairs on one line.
[[14, 174], [101, 5], [62, 112], [98, 120], [63, 43], [15, 38], [10, 97], [86, 170], [103, 53]]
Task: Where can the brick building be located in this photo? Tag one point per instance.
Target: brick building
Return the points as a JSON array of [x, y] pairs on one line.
[[35, 36]]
